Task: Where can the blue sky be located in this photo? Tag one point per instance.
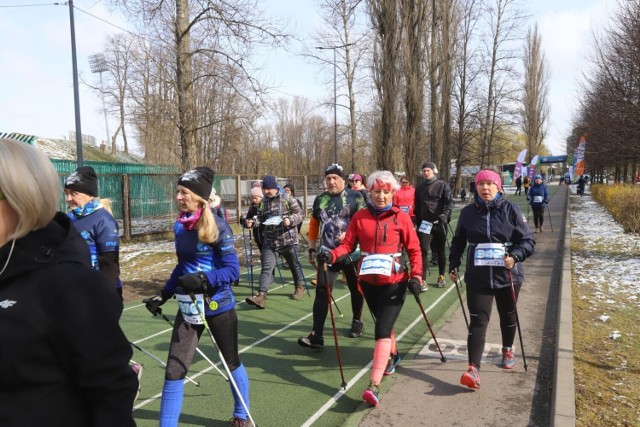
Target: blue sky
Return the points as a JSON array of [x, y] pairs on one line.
[[37, 87]]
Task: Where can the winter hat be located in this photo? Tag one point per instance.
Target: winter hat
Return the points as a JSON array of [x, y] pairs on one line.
[[537, 177], [198, 180], [489, 175], [431, 166], [357, 177], [334, 169], [257, 192], [269, 182], [83, 180]]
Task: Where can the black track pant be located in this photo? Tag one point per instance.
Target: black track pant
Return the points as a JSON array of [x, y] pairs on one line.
[[538, 215], [439, 237], [385, 303], [321, 301], [480, 303], [185, 338]]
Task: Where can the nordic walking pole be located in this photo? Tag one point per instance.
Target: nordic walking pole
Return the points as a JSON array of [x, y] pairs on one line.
[[332, 299], [549, 212], [333, 325], [200, 352], [458, 285], [515, 307], [251, 260], [246, 256], [160, 361], [224, 362], [442, 358], [295, 252]]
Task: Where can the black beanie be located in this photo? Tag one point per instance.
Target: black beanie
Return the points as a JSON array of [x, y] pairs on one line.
[[198, 180], [334, 169], [83, 180], [431, 166]]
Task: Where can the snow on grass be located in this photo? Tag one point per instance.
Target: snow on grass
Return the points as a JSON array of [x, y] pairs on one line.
[[606, 286], [608, 256]]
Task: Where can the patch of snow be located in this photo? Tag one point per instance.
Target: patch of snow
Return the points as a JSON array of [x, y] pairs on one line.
[[603, 318], [614, 335]]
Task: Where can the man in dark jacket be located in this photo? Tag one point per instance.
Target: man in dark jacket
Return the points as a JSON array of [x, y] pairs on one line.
[[433, 207]]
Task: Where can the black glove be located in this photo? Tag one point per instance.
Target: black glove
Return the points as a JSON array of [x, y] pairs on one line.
[[325, 257], [193, 282], [414, 286], [153, 303], [443, 219]]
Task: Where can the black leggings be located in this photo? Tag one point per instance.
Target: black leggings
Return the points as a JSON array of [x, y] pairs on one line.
[[321, 302], [439, 236], [480, 303], [538, 215], [385, 303], [185, 338]]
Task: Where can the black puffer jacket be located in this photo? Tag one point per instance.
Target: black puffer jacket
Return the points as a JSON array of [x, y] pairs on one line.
[[498, 221], [63, 357], [433, 198]]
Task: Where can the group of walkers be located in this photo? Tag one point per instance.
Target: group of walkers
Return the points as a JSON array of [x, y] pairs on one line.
[[378, 234]]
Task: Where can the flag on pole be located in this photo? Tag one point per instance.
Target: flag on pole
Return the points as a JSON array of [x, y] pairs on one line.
[[517, 171], [532, 166], [579, 156]]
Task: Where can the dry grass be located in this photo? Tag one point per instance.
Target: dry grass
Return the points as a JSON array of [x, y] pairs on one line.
[[622, 201], [607, 371]]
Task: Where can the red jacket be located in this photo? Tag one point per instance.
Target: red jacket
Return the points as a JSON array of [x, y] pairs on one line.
[[387, 233], [404, 198]]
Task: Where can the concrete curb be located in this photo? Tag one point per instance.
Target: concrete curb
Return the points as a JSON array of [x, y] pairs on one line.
[[563, 406]]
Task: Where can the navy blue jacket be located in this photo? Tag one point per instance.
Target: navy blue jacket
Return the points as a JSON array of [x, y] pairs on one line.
[[498, 221], [538, 192], [218, 261]]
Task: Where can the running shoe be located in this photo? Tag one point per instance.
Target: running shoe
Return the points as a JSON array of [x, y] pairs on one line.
[[370, 395], [471, 378], [394, 361], [508, 361]]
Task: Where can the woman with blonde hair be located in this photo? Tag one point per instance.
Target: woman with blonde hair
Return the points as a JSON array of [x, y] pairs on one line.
[[93, 219], [207, 267], [62, 350]]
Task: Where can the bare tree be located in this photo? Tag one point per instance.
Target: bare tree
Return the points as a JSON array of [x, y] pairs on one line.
[[535, 104], [414, 23], [504, 20], [214, 32], [385, 17]]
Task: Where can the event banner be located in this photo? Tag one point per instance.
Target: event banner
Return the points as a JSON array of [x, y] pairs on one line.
[[517, 171], [579, 155], [532, 167]]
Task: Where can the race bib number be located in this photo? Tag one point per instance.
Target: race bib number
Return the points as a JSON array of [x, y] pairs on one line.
[[377, 264], [425, 227], [537, 199], [189, 310], [489, 254], [404, 209], [274, 220]]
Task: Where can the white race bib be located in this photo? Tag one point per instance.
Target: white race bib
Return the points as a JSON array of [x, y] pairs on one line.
[[537, 199], [425, 227], [274, 220], [188, 310], [377, 264], [489, 254]]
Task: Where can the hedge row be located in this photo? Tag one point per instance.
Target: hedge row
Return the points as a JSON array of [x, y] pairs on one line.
[[623, 203]]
